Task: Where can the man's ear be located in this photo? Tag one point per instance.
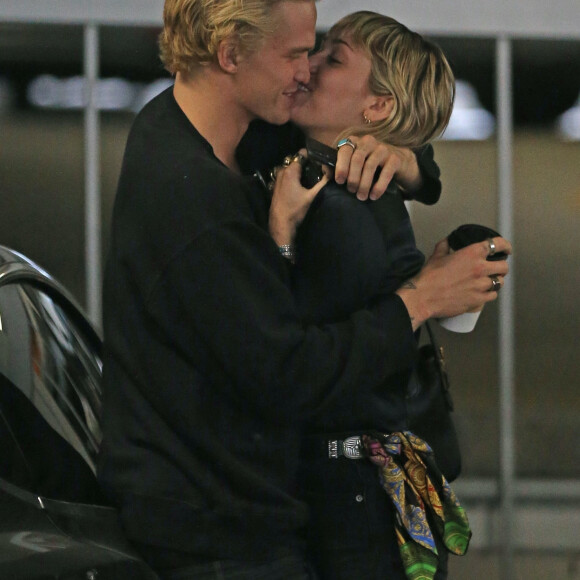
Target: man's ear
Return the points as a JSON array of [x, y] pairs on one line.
[[228, 55], [380, 107]]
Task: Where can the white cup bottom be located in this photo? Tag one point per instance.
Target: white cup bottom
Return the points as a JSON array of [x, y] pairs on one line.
[[461, 323]]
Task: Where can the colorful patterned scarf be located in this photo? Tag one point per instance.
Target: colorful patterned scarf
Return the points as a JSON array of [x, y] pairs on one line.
[[410, 477]]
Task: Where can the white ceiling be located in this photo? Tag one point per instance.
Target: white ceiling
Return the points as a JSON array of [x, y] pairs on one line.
[[530, 18]]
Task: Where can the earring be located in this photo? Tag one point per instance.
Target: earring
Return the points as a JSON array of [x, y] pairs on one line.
[[366, 119]]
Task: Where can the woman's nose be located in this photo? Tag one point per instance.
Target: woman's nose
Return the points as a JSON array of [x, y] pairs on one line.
[[314, 61]]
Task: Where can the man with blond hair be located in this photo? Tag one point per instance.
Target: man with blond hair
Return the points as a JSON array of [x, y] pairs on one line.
[[209, 373]]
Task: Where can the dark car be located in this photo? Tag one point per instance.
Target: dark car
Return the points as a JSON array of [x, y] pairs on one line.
[[54, 522]]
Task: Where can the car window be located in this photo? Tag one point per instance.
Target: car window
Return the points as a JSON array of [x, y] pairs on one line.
[[50, 371]]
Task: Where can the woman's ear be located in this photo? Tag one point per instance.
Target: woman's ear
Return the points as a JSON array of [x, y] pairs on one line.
[[228, 55], [380, 108]]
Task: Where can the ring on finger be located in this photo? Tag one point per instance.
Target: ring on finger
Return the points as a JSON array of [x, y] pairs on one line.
[[299, 158], [344, 142], [273, 176], [495, 284], [492, 247], [274, 173]]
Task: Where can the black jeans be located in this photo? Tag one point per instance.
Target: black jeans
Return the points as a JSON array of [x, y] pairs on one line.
[[289, 568], [352, 533]]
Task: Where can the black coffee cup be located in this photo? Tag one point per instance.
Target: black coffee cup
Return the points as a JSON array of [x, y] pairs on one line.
[[468, 234], [459, 238]]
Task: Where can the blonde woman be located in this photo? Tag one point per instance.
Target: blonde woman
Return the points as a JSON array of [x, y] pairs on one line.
[[372, 76]]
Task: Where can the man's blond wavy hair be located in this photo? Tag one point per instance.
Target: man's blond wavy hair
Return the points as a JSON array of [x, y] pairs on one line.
[[407, 66], [193, 29]]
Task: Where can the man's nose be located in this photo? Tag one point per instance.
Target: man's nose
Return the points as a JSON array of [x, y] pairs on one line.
[[303, 71]]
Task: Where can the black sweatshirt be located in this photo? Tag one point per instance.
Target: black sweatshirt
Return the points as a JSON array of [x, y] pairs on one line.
[[209, 373], [349, 251]]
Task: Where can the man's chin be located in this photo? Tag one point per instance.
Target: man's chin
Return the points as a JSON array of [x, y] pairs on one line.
[[276, 118]]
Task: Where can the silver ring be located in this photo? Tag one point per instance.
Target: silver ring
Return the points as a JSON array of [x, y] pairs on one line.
[[344, 142], [492, 247], [273, 175], [495, 284], [287, 160]]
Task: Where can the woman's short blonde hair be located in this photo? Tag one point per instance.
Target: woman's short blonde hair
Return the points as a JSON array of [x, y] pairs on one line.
[[193, 29], [407, 66]]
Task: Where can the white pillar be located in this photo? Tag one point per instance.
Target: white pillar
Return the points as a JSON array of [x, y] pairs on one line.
[[506, 351], [92, 176]]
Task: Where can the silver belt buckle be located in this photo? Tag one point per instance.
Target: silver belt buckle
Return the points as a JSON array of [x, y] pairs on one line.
[[351, 448]]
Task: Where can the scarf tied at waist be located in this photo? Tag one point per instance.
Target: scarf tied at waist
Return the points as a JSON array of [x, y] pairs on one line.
[[409, 475]]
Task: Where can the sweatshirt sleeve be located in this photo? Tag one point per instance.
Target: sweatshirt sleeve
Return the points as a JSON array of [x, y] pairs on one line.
[[235, 318], [430, 192]]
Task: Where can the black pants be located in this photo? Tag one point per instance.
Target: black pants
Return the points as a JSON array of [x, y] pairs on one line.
[[351, 534], [289, 568]]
